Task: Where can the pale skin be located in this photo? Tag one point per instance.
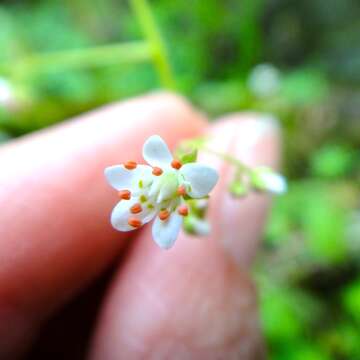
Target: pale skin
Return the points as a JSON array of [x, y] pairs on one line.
[[195, 301]]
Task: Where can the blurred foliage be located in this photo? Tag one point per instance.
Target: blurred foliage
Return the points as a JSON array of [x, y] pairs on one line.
[[297, 60]]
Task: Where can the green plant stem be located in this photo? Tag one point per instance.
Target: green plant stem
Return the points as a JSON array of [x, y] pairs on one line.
[[228, 158], [147, 22], [131, 52]]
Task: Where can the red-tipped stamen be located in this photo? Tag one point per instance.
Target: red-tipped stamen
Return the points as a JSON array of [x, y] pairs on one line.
[[134, 222], [183, 210], [176, 164], [130, 165], [164, 214], [157, 171], [136, 208], [124, 194], [181, 190]]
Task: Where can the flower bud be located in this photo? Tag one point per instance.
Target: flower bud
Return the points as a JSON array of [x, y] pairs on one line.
[[237, 188], [265, 179], [195, 226]]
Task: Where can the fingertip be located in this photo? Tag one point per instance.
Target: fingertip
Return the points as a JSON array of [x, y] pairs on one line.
[[254, 139]]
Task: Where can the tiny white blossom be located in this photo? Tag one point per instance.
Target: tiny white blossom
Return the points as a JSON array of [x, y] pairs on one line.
[[157, 191], [266, 179]]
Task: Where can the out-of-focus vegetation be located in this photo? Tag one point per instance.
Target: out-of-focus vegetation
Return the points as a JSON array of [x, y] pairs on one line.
[[299, 60]]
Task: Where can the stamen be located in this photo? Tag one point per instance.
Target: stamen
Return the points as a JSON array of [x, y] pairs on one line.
[[136, 208], [150, 206], [176, 164], [164, 214], [157, 171], [134, 222], [181, 190], [130, 165], [143, 198], [124, 194], [183, 210]]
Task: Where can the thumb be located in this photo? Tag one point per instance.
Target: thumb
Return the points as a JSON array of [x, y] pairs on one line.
[[237, 223]]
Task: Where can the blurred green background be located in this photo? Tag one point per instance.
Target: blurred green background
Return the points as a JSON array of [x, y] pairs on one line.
[[299, 60]]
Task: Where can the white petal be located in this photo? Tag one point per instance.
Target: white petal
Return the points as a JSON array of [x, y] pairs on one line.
[[166, 232], [274, 183], [201, 178], [121, 213], [121, 178], [156, 152]]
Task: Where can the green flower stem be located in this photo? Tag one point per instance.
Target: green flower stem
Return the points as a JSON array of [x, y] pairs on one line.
[[160, 57], [131, 52], [227, 158]]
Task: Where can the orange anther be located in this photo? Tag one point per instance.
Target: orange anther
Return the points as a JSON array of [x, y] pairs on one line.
[[164, 214], [183, 210], [130, 165], [134, 222], [176, 164], [157, 171], [181, 190], [136, 208], [124, 194]]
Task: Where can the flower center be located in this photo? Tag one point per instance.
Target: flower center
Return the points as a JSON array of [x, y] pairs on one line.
[[161, 191], [168, 185]]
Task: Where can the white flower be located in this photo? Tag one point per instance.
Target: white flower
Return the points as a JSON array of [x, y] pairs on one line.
[[264, 178], [157, 191]]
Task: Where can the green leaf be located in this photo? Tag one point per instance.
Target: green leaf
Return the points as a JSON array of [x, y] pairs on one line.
[[189, 157]]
